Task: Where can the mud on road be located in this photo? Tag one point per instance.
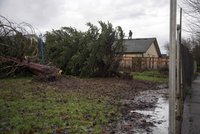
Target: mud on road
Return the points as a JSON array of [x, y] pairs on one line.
[[127, 95]]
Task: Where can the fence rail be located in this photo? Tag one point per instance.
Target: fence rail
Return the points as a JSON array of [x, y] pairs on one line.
[[143, 63]]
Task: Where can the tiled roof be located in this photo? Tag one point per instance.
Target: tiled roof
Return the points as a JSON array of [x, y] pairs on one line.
[[140, 45]]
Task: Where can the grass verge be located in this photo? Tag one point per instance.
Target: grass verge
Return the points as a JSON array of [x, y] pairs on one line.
[[31, 107], [153, 76]]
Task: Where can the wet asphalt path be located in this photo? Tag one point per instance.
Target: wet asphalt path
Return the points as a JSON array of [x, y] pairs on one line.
[[191, 113]]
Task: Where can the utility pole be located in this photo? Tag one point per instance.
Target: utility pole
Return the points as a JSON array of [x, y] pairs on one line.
[[172, 68]]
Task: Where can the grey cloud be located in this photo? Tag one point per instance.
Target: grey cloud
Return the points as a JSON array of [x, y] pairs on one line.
[[31, 11], [144, 17]]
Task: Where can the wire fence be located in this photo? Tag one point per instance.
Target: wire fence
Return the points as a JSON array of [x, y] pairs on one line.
[[184, 82], [187, 63]]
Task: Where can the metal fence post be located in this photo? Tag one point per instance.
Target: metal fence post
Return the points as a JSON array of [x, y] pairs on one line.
[[179, 102], [41, 49]]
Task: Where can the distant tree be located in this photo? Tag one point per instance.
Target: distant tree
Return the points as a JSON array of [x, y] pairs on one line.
[[189, 43], [96, 52], [196, 49], [192, 10], [196, 53], [166, 47]]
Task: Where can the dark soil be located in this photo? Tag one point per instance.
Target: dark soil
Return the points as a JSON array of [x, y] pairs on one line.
[[127, 95]]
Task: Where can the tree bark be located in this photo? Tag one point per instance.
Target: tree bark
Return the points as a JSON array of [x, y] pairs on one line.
[[35, 68]]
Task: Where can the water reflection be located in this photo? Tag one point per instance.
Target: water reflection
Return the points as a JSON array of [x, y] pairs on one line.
[[159, 116]]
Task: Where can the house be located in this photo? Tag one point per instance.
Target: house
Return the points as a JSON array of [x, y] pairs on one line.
[[141, 47], [142, 54]]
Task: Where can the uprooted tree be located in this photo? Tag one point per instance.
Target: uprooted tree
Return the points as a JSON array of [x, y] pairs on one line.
[[15, 46], [96, 52]]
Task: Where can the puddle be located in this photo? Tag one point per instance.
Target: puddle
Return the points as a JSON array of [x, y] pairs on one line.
[[159, 116]]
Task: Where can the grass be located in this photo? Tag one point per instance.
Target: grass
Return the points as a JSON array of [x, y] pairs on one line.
[[153, 76], [31, 107]]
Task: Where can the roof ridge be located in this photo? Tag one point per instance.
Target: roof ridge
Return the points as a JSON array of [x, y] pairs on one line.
[[141, 38]]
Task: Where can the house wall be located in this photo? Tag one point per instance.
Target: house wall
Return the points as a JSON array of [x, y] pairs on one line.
[[151, 52]]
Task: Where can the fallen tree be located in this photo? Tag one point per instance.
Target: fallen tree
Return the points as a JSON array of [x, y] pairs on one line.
[[18, 44], [94, 53], [44, 71]]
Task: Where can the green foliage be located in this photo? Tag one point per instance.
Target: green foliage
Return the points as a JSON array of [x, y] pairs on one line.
[[37, 108], [96, 52], [154, 76]]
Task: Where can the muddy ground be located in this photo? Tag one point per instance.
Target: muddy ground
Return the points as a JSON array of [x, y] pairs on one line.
[[128, 95]]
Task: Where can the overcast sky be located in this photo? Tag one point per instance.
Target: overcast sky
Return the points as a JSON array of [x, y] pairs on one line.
[[146, 18]]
